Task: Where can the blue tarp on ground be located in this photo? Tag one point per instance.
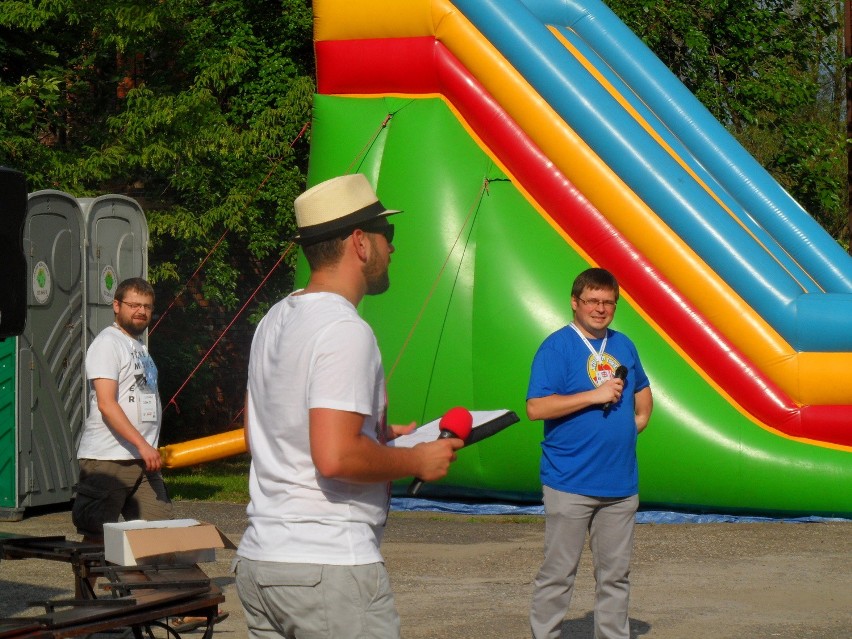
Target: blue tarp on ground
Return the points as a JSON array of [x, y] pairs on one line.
[[408, 504]]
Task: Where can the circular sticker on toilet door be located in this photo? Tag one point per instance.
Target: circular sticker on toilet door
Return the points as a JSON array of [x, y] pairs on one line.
[[109, 281], [41, 283]]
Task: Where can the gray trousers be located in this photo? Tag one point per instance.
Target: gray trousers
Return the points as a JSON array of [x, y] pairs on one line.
[[609, 523], [316, 601]]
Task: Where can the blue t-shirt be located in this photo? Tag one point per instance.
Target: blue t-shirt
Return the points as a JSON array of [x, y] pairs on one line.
[[592, 451]]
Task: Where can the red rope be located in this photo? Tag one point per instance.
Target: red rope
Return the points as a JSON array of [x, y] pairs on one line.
[[363, 151], [220, 240], [228, 327], [358, 155], [186, 284]]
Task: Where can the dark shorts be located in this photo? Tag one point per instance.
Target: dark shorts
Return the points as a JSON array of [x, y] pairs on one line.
[[108, 490]]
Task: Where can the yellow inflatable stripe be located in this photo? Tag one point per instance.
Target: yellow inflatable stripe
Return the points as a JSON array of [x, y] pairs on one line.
[[806, 380], [360, 19]]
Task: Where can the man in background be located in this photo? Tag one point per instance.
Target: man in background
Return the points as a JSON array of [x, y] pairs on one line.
[[118, 456]]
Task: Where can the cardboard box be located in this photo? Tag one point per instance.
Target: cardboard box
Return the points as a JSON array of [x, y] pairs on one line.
[[133, 543]]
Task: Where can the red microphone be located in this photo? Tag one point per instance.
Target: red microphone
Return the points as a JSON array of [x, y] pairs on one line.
[[456, 422]]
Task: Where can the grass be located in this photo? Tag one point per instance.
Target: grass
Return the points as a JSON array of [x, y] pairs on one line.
[[224, 480]]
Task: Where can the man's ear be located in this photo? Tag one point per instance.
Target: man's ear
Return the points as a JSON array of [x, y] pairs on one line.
[[360, 242]]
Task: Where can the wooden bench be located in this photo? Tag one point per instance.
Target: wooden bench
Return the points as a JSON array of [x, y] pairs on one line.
[[140, 598]]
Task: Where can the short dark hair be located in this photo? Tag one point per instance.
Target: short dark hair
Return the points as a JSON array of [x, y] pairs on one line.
[[324, 253], [594, 279], [136, 284]]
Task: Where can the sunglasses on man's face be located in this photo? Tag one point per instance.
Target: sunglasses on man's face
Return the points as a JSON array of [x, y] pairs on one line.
[[384, 229]]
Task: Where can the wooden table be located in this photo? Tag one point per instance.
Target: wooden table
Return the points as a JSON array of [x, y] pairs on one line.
[[140, 598]]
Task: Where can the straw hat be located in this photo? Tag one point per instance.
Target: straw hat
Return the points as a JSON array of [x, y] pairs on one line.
[[335, 206]]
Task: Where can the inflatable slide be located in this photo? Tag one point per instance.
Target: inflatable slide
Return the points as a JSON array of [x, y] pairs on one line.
[[529, 139]]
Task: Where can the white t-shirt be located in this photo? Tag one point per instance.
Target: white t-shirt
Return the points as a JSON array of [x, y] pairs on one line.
[[115, 355], [311, 351]]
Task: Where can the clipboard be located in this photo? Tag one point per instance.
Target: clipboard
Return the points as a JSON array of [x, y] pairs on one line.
[[485, 424]]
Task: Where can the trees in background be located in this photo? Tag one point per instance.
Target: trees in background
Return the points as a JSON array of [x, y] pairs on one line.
[[188, 105], [191, 107]]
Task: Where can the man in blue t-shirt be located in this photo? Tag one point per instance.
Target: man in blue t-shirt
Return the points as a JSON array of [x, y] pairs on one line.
[[592, 416]]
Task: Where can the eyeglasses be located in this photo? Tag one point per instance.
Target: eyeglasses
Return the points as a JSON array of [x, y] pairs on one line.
[[135, 306], [385, 229], [594, 303]]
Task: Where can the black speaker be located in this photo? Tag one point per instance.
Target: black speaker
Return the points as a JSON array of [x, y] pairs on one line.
[[13, 263]]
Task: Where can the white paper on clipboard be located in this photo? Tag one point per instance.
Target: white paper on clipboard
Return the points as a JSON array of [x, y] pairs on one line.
[[485, 424]]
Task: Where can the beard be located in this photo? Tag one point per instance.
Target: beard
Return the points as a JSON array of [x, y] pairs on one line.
[[131, 326], [376, 273]]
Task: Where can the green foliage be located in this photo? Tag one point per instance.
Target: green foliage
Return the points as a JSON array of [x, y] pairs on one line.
[[191, 107]]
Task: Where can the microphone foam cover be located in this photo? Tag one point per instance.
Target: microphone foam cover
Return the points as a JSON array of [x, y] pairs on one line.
[[458, 421]]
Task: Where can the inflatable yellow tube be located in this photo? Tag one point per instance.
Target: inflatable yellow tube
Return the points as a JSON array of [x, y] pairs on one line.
[[204, 449]]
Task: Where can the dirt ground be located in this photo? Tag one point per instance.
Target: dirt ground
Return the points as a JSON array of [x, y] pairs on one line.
[[456, 576]]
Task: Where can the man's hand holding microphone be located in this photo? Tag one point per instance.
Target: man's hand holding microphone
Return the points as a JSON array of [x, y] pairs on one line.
[[616, 387], [455, 426]]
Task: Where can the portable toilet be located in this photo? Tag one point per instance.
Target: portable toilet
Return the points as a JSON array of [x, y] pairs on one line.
[[117, 248], [51, 390], [76, 253]]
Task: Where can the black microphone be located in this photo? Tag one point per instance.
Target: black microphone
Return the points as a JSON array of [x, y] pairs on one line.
[[456, 422], [620, 373]]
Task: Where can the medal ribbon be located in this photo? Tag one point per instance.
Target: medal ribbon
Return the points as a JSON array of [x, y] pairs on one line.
[[598, 355]]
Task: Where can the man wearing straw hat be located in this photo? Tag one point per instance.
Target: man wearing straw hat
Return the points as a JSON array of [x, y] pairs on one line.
[[309, 563]]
